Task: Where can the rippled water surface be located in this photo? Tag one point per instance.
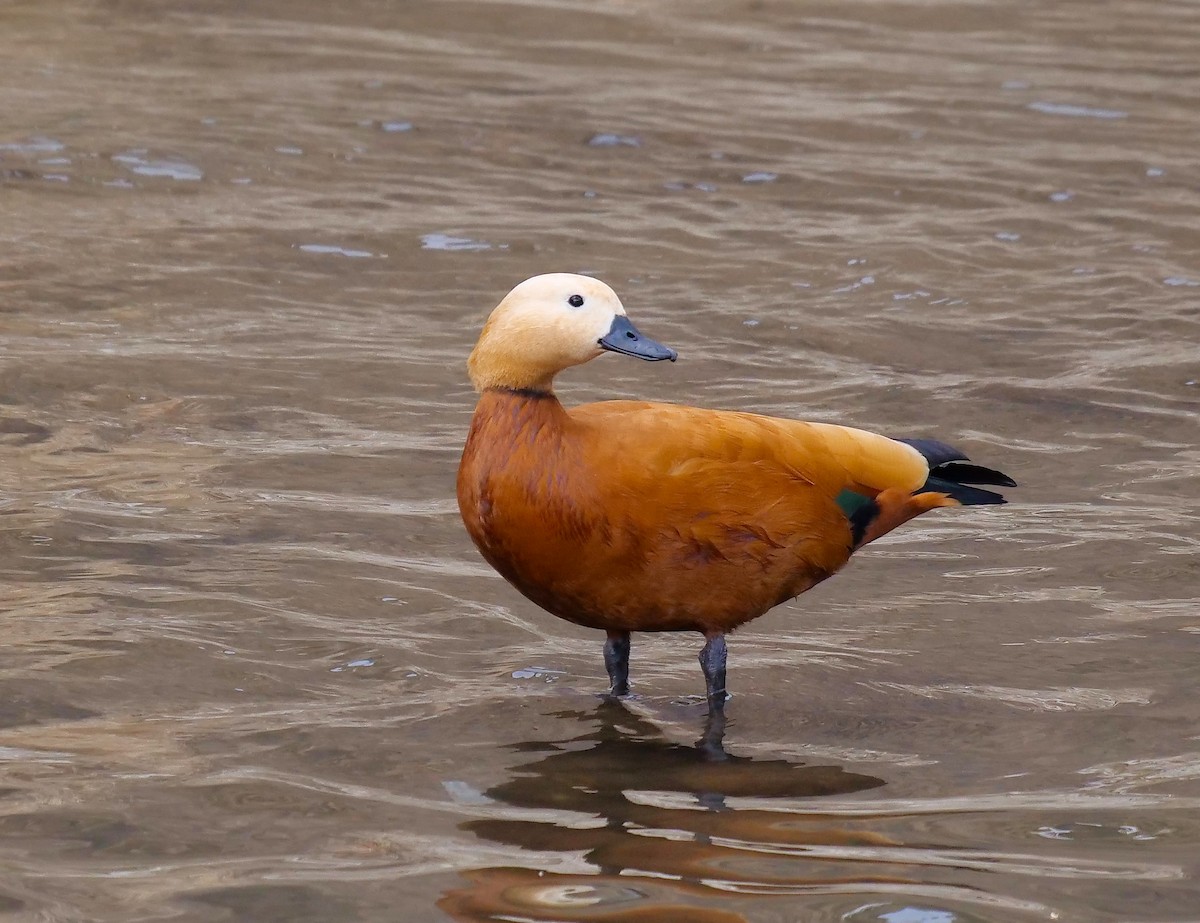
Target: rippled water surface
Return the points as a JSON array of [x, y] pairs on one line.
[[252, 668]]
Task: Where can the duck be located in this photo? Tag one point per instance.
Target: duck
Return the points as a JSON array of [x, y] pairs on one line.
[[640, 516]]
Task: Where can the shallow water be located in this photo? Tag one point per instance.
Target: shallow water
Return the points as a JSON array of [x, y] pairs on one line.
[[253, 668]]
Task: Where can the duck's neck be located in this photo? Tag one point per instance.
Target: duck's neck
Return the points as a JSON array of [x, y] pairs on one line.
[[492, 368], [507, 419], [520, 406], [527, 394]]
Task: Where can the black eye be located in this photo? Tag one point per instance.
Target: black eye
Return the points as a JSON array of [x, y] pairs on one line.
[[575, 301]]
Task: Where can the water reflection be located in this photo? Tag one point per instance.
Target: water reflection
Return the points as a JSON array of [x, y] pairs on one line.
[[663, 836]]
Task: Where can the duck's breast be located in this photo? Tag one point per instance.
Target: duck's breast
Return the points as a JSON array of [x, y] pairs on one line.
[[527, 500]]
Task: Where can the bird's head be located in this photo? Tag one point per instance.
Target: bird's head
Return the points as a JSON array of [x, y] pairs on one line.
[[549, 323]]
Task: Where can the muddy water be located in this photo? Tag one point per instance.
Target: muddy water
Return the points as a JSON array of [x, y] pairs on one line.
[[252, 668]]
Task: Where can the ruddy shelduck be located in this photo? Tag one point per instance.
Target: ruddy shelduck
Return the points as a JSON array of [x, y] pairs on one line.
[[636, 516]]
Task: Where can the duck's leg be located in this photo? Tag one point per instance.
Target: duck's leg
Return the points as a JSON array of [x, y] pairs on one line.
[[712, 662], [616, 661]]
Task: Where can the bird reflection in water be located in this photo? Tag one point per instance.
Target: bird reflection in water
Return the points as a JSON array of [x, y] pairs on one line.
[[655, 824]]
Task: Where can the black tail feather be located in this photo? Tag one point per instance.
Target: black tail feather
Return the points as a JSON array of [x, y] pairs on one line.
[[967, 496], [950, 472], [974, 474]]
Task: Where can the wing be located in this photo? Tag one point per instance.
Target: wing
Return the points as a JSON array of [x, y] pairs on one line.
[[878, 483], [702, 508], [664, 437], [739, 488]]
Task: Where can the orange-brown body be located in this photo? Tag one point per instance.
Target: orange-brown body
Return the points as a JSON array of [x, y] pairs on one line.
[[636, 516]]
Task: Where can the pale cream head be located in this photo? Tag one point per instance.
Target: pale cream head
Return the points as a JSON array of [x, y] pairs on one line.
[[546, 324]]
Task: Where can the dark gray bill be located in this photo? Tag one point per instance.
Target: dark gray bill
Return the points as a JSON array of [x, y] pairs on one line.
[[623, 337]]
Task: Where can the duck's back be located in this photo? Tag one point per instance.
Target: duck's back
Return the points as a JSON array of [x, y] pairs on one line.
[[640, 516], [832, 457]]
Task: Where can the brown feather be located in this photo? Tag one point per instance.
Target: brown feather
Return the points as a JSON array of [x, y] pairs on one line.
[[896, 507], [638, 516]]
